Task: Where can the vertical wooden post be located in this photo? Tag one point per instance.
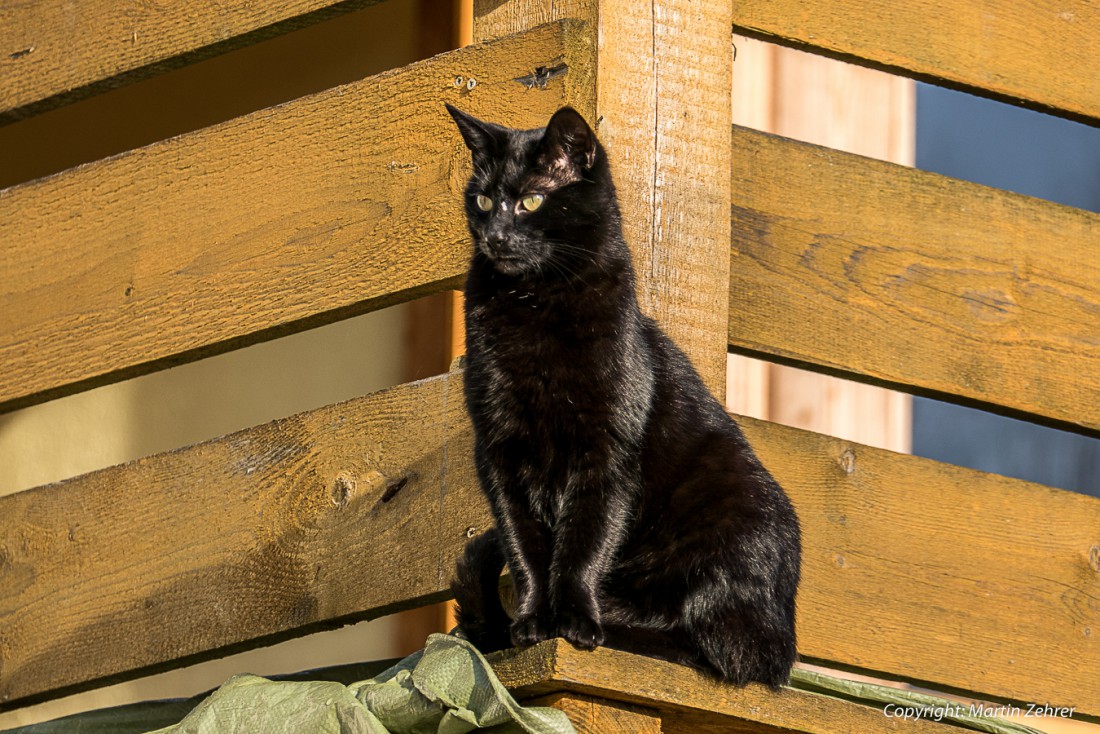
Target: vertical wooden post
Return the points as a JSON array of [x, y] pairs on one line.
[[663, 85]]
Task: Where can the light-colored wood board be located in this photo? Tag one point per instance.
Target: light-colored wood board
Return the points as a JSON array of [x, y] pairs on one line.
[[688, 700], [664, 79], [601, 716], [53, 53], [319, 209], [915, 281], [912, 568], [346, 512], [935, 573], [1040, 54], [858, 110]]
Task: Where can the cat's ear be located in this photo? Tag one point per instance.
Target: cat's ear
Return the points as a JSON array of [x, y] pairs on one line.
[[568, 143], [482, 138]]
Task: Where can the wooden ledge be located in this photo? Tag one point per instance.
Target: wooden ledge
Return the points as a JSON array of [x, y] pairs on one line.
[[684, 699]]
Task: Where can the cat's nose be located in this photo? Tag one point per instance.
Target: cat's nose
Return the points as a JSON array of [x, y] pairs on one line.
[[495, 241]]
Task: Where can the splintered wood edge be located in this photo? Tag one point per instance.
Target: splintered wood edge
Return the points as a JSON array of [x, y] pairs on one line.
[[556, 666]]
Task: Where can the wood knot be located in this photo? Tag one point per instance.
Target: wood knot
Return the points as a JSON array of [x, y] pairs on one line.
[[393, 488], [541, 76], [1094, 558], [471, 531], [848, 461], [342, 490]]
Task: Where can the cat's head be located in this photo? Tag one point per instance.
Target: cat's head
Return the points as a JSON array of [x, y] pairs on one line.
[[538, 199]]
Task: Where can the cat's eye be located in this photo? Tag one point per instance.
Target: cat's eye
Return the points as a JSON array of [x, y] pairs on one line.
[[532, 202], [484, 203]]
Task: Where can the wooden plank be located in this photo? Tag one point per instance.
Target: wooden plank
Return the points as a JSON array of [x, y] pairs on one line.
[[319, 209], [664, 80], [54, 53], [858, 110], [916, 281], [601, 716], [343, 513], [1038, 54], [687, 700], [936, 573], [911, 569]]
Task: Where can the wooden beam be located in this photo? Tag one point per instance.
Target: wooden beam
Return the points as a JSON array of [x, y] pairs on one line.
[[102, 578], [52, 53], [600, 715], [939, 574], [687, 701], [1033, 54], [664, 81], [912, 280], [323, 208], [857, 110], [340, 514]]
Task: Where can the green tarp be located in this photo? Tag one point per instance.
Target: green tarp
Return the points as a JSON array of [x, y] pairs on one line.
[[446, 688]]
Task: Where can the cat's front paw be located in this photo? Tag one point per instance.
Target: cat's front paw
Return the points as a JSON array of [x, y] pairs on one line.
[[581, 630], [529, 629]]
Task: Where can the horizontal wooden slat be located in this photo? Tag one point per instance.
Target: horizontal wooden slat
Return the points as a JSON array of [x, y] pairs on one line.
[[318, 209], [54, 53], [1040, 54], [686, 700], [912, 568], [346, 512], [913, 280], [937, 573]]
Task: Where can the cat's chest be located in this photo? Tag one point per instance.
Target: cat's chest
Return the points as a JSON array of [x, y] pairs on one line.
[[535, 362]]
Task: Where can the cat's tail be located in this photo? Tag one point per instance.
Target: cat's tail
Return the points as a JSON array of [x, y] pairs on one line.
[[476, 586]]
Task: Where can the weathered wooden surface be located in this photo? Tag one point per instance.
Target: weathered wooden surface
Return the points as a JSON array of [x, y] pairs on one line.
[[601, 716], [911, 568], [350, 511], [1041, 54], [53, 53], [687, 700], [851, 108], [938, 573], [322, 208], [909, 279], [664, 80]]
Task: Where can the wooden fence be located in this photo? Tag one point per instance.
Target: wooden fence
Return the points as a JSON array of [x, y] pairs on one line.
[[314, 211]]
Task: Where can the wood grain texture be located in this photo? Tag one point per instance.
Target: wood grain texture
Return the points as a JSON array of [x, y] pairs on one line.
[[916, 281], [936, 573], [687, 700], [1039, 54], [601, 716], [319, 209], [912, 568], [858, 110], [54, 53], [343, 513], [664, 79]]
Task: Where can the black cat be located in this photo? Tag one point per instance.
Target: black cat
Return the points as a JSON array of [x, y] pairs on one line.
[[630, 509]]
